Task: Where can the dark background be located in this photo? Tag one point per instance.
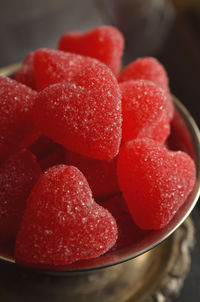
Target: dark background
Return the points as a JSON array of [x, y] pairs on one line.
[[168, 30]]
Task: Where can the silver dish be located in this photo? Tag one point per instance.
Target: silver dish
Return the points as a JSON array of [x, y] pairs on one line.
[[185, 134]]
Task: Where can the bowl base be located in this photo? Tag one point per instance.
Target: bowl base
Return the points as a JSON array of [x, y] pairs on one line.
[[157, 275]]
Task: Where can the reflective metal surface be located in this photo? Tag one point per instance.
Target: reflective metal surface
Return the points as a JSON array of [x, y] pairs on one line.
[[10, 69], [185, 135], [155, 276]]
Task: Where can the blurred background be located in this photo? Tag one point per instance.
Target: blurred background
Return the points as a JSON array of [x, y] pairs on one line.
[[168, 30]]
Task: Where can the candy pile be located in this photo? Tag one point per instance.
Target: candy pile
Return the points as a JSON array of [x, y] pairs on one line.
[[73, 128]]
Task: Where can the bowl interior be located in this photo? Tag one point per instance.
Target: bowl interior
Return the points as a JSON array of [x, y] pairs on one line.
[[184, 136]]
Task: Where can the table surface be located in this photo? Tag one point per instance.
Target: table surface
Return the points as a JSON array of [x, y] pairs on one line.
[[27, 25]]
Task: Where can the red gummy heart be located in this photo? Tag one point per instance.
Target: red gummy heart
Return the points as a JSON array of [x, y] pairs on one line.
[[41, 147], [104, 43], [84, 117], [55, 156], [54, 66], [17, 177], [25, 74], [62, 223], [143, 111], [100, 174], [128, 231], [48, 153], [150, 69], [155, 182], [17, 129]]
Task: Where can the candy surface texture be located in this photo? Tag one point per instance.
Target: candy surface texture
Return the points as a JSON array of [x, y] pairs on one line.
[[143, 111], [25, 74], [18, 175], [54, 66], [150, 69], [17, 128], [100, 174], [128, 232]]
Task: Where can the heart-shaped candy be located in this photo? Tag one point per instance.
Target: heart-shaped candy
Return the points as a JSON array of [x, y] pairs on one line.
[[54, 66], [104, 43], [150, 69], [84, 116], [128, 232], [55, 156], [17, 128], [155, 181], [100, 174], [18, 175], [143, 111], [62, 223], [26, 74]]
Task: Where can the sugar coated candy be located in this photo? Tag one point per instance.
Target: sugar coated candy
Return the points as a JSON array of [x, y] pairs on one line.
[[17, 128], [42, 146], [128, 232], [55, 156], [47, 152], [155, 181], [100, 174], [104, 43], [148, 68], [62, 223], [18, 175], [143, 111], [54, 66], [25, 74], [84, 116]]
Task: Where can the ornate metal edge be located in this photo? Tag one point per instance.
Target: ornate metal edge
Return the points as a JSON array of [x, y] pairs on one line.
[[176, 272]]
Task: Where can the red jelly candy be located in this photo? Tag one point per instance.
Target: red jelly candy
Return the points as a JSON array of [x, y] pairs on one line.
[[150, 69], [161, 130], [42, 146], [84, 117], [55, 156], [143, 111], [104, 43], [54, 66], [17, 177], [17, 129], [62, 223], [128, 232], [100, 174], [25, 74], [155, 182]]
